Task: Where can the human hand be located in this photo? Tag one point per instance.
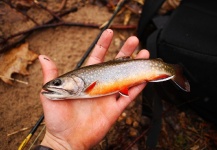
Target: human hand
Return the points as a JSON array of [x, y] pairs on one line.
[[81, 124]]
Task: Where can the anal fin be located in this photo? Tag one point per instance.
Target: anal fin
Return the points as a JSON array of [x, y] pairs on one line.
[[124, 92], [162, 78]]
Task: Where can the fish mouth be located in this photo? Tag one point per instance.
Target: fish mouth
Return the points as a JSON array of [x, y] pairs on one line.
[[55, 93]]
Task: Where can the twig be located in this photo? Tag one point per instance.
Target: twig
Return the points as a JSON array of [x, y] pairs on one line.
[[4, 42], [4, 46], [91, 25], [136, 140], [20, 130], [47, 26], [61, 14], [132, 10], [49, 11], [13, 79], [63, 4], [27, 32], [123, 27], [27, 16]]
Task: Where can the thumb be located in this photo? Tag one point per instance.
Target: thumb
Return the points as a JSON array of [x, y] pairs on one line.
[[50, 72], [49, 68]]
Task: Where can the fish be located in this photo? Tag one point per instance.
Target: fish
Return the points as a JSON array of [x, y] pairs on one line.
[[114, 76]]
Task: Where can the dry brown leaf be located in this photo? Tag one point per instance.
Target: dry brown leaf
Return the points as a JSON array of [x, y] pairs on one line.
[[140, 1], [23, 4], [183, 120], [195, 147], [16, 61], [169, 5], [127, 17], [212, 134]]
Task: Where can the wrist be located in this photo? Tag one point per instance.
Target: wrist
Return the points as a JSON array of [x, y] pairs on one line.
[[41, 147], [56, 143]]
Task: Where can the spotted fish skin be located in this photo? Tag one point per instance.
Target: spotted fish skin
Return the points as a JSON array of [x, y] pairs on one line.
[[114, 75], [109, 77]]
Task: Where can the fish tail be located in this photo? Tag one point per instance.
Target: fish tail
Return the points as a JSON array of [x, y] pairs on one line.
[[179, 79]]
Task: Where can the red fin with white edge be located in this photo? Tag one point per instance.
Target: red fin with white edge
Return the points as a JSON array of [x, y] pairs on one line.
[[90, 87], [124, 92], [162, 78]]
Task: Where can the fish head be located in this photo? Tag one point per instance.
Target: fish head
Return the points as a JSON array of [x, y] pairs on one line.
[[63, 88]]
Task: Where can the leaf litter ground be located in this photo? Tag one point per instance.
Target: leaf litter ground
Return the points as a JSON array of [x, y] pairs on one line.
[[20, 106]]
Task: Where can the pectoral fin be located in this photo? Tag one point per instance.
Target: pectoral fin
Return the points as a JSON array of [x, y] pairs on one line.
[[90, 87]]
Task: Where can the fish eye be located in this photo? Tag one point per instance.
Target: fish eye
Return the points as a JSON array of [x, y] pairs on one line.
[[57, 82]]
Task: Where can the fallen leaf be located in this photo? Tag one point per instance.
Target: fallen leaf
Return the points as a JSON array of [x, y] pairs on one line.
[[195, 147], [16, 61], [127, 17], [23, 4], [183, 120], [169, 5], [141, 2], [212, 135]]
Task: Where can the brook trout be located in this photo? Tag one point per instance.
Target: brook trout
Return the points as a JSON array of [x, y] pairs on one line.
[[111, 77]]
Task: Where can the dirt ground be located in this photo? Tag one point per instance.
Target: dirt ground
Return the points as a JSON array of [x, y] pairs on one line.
[[20, 107]]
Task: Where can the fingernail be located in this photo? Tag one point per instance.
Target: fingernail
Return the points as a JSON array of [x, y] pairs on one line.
[[109, 30], [46, 59]]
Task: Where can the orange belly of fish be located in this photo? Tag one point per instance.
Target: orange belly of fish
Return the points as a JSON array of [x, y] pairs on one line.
[[107, 88]]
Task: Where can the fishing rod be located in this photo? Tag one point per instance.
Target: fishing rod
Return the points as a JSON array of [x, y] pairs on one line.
[[119, 6], [32, 131], [79, 64]]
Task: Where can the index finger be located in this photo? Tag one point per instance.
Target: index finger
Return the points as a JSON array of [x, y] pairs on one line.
[[100, 49]]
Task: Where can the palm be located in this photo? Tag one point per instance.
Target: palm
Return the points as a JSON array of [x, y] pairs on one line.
[[87, 121], [82, 117]]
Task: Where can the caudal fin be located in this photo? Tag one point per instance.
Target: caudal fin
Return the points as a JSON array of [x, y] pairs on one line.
[[180, 80]]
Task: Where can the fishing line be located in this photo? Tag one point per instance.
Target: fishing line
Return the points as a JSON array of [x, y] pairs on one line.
[[37, 137], [79, 64], [28, 137]]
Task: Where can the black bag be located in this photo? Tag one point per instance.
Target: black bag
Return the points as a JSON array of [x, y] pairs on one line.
[[188, 38]]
